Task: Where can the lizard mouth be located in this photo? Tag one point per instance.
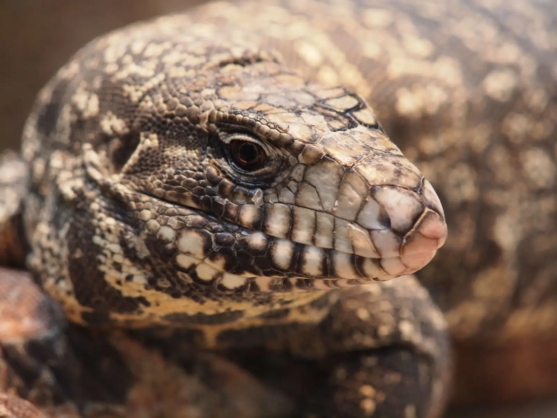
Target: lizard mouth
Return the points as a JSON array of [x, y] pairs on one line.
[[275, 264], [231, 256], [391, 257]]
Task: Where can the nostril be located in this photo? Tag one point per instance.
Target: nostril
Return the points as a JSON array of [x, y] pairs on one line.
[[402, 207], [373, 216]]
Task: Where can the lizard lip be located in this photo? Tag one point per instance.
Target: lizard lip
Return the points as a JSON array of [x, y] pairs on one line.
[[422, 242], [393, 255], [390, 255], [417, 249]]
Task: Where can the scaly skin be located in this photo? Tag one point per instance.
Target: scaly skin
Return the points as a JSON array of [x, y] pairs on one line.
[[142, 225]]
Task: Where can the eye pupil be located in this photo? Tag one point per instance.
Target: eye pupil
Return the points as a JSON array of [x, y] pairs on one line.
[[247, 155]]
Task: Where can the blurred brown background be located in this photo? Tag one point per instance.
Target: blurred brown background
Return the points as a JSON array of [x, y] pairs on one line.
[[38, 36]]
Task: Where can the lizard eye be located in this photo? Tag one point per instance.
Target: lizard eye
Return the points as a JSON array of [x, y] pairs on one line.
[[247, 159], [247, 155]]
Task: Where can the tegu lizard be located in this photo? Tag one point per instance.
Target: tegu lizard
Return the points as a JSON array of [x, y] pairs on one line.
[[216, 223]]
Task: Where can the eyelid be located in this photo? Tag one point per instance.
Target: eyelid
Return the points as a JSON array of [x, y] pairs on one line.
[[227, 139]]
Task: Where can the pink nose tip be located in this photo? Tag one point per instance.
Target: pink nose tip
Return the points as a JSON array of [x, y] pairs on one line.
[[423, 241]]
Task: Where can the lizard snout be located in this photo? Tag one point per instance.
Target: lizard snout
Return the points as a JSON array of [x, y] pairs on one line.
[[406, 228]]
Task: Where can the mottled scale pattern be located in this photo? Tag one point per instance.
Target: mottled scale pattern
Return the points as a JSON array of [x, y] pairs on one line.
[[248, 177], [148, 119]]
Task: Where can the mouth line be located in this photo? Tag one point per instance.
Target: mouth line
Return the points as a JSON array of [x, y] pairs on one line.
[[290, 259]]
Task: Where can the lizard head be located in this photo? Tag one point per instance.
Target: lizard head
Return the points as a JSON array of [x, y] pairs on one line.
[[212, 169], [302, 179]]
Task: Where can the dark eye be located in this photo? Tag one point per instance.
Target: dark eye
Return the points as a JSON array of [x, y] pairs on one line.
[[247, 155]]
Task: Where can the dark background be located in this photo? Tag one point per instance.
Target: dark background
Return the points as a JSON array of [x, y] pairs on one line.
[[38, 36]]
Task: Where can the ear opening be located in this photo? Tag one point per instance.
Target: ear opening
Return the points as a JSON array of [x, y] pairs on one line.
[[121, 149]]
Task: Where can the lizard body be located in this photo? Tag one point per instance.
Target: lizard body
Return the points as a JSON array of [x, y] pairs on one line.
[[202, 181]]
